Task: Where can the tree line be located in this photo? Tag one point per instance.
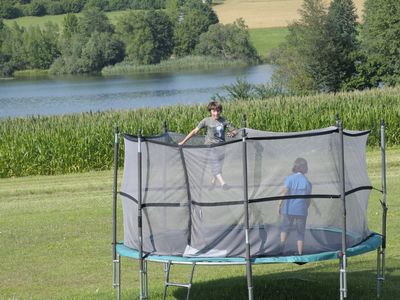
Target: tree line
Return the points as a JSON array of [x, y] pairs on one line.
[[90, 42], [10, 9], [328, 50]]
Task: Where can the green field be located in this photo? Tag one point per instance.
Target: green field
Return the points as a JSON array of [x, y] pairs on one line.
[[57, 19], [266, 39], [55, 234]]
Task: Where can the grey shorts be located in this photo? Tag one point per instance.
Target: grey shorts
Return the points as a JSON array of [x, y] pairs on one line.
[[300, 223], [216, 159]]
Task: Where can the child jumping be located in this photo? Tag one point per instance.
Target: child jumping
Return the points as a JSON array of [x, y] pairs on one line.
[[215, 125]]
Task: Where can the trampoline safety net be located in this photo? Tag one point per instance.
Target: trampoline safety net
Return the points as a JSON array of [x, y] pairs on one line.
[[186, 213]]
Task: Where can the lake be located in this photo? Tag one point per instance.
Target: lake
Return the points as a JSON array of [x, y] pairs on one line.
[[63, 95]]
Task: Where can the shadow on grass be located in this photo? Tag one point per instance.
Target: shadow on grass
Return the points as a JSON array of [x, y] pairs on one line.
[[310, 283]]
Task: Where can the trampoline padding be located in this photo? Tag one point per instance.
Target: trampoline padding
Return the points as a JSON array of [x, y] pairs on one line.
[[370, 244]]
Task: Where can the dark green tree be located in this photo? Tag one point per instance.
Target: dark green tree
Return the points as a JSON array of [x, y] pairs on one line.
[[194, 19], [41, 46], [37, 8], [94, 20], [88, 46], [8, 10], [12, 49], [341, 38], [380, 43], [102, 49], [231, 41], [70, 25], [148, 36], [302, 59]]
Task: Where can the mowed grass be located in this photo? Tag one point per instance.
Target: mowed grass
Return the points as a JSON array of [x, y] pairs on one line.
[[266, 39], [55, 234], [57, 19]]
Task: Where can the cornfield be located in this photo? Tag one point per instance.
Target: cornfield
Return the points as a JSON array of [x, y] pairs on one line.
[[83, 142]]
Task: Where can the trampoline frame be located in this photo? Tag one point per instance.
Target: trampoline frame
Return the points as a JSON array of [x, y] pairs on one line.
[[248, 261]]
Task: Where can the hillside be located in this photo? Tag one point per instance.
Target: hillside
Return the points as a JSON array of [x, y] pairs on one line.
[[264, 13]]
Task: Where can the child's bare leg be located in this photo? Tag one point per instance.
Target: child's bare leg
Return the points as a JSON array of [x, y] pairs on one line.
[[300, 245], [283, 237], [220, 179]]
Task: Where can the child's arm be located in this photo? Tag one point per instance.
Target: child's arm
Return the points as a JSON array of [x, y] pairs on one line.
[[284, 192], [192, 133], [232, 131]]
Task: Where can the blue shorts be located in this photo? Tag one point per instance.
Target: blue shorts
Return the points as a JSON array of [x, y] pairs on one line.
[[300, 223]]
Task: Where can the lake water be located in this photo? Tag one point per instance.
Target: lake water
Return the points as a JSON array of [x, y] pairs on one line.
[[62, 95]]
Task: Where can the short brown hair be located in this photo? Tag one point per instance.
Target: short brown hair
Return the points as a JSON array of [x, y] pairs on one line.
[[300, 165], [214, 105]]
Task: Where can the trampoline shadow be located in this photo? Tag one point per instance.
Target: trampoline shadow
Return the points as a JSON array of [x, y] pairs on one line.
[[307, 283]]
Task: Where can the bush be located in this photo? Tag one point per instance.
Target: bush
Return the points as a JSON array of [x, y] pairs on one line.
[[231, 41], [37, 8]]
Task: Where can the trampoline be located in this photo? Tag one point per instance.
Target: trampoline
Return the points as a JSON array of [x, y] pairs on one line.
[[174, 213]]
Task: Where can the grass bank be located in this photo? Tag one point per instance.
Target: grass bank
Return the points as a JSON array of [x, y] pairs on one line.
[[82, 142], [173, 65], [55, 234]]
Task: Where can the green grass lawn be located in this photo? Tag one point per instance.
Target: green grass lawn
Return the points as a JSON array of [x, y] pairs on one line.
[[266, 39], [55, 234], [57, 19]]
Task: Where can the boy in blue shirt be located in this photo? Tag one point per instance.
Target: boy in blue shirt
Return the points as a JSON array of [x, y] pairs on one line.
[[295, 210]]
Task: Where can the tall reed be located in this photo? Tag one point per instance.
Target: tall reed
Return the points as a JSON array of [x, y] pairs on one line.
[[82, 142]]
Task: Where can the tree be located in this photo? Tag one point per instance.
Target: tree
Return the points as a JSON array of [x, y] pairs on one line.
[[195, 18], [8, 10], [41, 46], [102, 49], [94, 20], [37, 8], [302, 58], [70, 25], [147, 36], [380, 43], [231, 41], [341, 36]]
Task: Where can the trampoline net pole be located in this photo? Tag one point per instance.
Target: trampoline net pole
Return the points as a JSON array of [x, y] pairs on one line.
[[140, 230], [382, 250], [343, 281], [114, 223], [246, 211]]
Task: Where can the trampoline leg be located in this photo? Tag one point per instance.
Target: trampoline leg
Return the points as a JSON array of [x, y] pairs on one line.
[[143, 282], [117, 276], [343, 278], [190, 281], [146, 284], [167, 268], [380, 273]]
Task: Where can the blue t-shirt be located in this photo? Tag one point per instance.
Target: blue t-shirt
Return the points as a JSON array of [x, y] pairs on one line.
[[297, 184]]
